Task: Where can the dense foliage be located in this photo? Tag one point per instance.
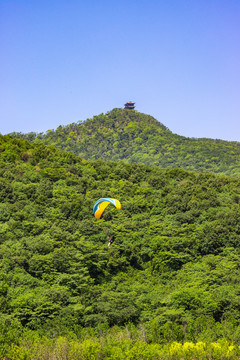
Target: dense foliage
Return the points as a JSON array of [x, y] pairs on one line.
[[172, 273], [135, 137]]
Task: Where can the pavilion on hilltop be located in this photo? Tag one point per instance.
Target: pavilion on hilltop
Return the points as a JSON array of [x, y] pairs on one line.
[[129, 105]]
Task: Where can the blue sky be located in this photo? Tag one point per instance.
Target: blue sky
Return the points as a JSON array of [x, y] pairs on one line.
[[67, 60]]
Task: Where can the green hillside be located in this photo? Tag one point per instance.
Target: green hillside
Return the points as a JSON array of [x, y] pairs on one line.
[[172, 273], [135, 137]]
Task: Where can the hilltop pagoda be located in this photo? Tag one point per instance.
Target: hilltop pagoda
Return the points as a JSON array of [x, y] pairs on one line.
[[129, 105]]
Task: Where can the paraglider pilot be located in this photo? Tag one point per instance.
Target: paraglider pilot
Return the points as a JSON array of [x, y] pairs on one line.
[[111, 240]]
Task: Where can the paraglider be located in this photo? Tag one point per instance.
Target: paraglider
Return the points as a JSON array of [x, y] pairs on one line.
[[101, 204]]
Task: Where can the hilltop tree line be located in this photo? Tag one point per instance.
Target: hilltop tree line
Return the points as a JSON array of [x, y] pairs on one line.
[[128, 135]]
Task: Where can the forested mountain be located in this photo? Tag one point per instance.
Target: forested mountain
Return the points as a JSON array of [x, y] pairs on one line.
[[172, 273], [135, 137]]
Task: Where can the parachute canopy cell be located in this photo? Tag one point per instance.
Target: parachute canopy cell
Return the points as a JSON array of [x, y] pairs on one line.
[[101, 205]]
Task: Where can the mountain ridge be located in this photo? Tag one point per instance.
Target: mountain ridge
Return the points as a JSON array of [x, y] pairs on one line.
[[131, 136]]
